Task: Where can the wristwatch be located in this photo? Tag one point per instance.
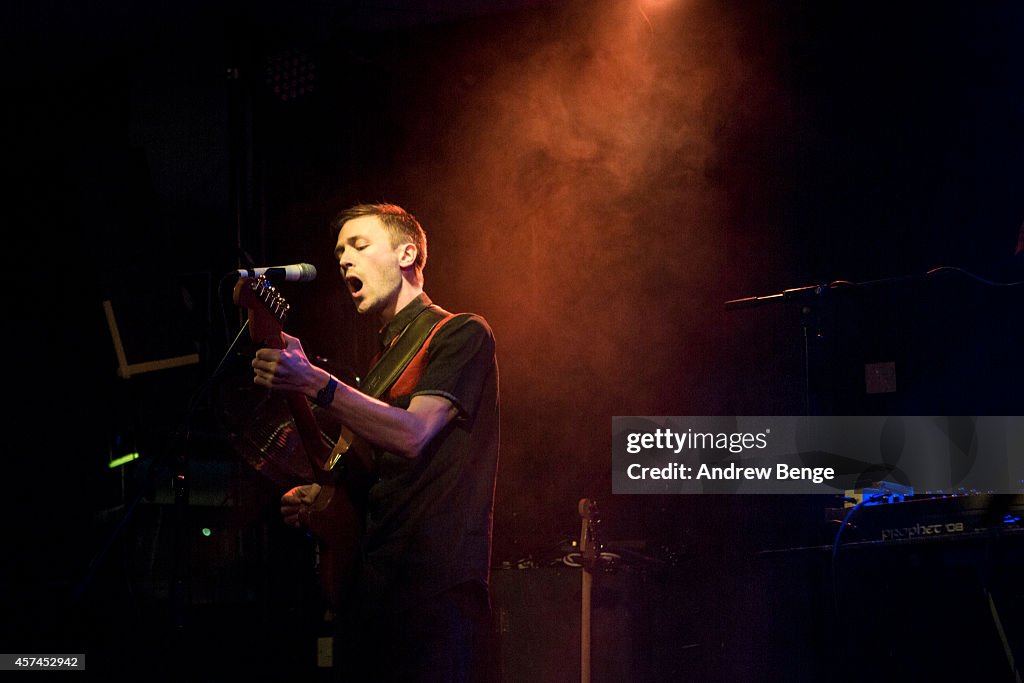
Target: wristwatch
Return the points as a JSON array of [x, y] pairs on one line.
[[326, 395]]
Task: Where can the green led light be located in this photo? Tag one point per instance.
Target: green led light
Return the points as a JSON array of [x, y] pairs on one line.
[[123, 460], [207, 532]]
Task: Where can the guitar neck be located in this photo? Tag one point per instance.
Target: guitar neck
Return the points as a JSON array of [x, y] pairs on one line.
[[588, 512], [267, 312]]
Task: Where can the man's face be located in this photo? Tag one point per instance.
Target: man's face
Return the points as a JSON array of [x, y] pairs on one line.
[[372, 268]]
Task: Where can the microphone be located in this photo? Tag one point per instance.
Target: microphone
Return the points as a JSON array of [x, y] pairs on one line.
[[296, 272]]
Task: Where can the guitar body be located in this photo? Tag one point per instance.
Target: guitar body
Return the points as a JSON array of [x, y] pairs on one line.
[[335, 520], [336, 515]]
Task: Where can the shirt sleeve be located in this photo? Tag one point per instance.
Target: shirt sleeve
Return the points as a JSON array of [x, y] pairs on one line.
[[460, 359]]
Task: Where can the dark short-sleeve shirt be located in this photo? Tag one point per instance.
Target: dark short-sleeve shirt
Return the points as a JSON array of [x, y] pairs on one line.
[[429, 519]]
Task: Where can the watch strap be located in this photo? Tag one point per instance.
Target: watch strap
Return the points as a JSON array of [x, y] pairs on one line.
[[325, 396]]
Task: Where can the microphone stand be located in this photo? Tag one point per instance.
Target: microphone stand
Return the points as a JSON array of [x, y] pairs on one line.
[[180, 583], [809, 297], [812, 298]]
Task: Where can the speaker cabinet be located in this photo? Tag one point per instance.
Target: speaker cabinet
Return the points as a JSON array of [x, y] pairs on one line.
[[538, 622]]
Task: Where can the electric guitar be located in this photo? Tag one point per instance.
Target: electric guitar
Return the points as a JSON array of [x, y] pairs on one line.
[[335, 516]]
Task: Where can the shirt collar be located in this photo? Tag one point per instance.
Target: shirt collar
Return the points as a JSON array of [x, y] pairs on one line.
[[405, 316]]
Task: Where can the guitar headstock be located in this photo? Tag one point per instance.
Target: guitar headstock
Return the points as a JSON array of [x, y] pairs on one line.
[[590, 545], [588, 509], [267, 308]]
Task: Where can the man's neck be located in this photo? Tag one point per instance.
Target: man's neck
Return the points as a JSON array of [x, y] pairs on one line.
[[406, 294]]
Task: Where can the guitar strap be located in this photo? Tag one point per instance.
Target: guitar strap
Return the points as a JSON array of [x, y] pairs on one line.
[[397, 357], [410, 344]]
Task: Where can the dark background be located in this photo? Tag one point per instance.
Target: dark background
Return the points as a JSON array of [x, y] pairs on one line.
[[597, 179]]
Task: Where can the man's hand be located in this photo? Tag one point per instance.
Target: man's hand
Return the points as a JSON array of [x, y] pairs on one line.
[[287, 369], [297, 503]]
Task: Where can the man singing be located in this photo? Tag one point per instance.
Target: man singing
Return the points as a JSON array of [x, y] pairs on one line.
[[419, 602]]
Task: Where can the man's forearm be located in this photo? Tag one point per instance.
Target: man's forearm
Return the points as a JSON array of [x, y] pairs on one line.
[[404, 432]]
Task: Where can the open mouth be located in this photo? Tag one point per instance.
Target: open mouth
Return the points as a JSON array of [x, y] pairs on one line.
[[354, 284]]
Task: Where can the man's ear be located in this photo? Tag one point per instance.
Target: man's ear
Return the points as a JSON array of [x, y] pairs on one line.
[[407, 255]]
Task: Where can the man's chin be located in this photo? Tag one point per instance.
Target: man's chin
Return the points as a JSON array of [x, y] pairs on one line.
[[365, 306]]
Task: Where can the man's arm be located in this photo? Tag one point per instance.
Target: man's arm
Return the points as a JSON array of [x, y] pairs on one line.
[[404, 432]]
